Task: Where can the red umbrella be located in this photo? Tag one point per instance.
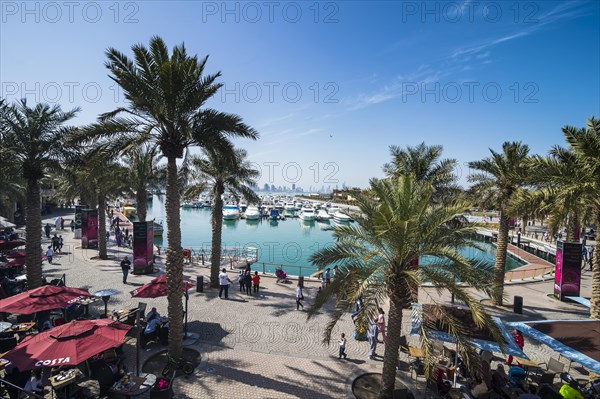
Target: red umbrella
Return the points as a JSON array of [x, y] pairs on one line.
[[157, 288], [17, 254], [69, 344], [8, 245], [42, 298]]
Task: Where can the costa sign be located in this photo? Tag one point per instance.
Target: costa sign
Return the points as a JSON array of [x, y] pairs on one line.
[[60, 360]]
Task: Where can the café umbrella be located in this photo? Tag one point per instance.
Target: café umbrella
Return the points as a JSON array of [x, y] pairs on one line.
[[46, 297], [158, 287], [8, 245], [69, 344]]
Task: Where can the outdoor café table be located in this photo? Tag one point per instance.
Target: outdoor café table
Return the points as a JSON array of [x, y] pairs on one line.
[[528, 365], [86, 302], [416, 352], [136, 385], [4, 325], [3, 362], [117, 314], [65, 379], [20, 328]]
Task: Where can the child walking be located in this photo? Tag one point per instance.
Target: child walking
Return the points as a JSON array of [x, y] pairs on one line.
[[342, 343]]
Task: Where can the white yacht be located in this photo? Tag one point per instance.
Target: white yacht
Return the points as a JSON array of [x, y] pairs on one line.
[[322, 215], [307, 214], [231, 212], [252, 213], [289, 206], [341, 217], [333, 209]]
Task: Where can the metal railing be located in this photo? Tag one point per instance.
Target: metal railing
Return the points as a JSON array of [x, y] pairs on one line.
[[21, 390], [530, 273]]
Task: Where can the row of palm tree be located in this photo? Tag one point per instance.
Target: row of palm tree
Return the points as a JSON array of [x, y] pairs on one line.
[[411, 214]]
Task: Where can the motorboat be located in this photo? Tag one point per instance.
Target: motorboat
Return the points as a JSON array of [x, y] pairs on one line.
[[252, 213], [187, 204], [307, 214], [274, 214], [341, 217], [231, 212], [322, 215], [243, 206], [290, 207], [333, 209]]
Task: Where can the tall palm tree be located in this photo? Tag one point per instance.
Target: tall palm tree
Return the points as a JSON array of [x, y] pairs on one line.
[[166, 98], [425, 163], [495, 183], [142, 164], [401, 223], [224, 171], [32, 139], [585, 143]]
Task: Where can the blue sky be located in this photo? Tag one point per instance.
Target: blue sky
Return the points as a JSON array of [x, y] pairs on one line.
[[331, 85]]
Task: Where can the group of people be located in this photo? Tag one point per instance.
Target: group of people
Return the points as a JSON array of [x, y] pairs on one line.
[[249, 282], [157, 328], [9, 234], [122, 236], [587, 256]]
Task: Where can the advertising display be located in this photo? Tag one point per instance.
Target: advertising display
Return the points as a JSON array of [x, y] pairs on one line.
[[143, 248], [89, 228], [567, 278], [78, 210]]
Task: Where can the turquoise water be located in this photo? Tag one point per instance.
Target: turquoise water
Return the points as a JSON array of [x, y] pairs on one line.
[[290, 242]]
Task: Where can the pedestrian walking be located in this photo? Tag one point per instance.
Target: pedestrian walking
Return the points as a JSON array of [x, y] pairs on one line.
[[519, 340], [62, 223], [327, 277], [584, 255], [591, 257], [72, 225], [255, 281], [299, 297], [60, 243], [242, 280], [125, 266], [248, 283], [107, 235], [224, 283], [47, 229], [342, 343], [55, 243], [49, 254], [372, 337], [381, 325]]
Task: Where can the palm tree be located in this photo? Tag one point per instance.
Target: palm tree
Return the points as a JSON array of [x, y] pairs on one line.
[[142, 163], [401, 223], [224, 171], [499, 177], [32, 139], [585, 143], [424, 163], [166, 96]]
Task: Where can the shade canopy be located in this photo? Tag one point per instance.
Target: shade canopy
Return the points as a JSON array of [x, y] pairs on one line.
[[39, 299], [579, 340], [8, 245], [69, 344], [157, 288], [481, 338]]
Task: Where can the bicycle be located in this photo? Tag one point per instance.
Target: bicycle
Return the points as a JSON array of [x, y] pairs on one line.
[[174, 365]]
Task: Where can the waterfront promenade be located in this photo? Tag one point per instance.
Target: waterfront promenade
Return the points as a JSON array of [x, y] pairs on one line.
[[260, 346]]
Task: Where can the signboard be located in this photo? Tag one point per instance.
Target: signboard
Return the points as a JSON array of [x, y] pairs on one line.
[[78, 210], [567, 278], [89, 228], [143, 248]]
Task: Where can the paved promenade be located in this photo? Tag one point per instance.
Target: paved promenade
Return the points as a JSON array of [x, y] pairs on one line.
[[260, 346]]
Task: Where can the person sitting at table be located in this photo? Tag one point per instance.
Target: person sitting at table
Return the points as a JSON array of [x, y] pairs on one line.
[[499, 379], [163, 333], [46, 326], [152, 314], [442, 385], [151, 332], [13, 375], [516, 376], [34, 384]]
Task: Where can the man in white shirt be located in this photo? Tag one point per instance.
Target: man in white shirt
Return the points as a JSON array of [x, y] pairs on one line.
[[49, 254], [223, 282]]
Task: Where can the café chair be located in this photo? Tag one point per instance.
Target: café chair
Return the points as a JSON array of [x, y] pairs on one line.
[[7, 342]]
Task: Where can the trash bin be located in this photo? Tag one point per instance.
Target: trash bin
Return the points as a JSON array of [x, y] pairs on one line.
[[518, 305], [200, 284], [301, 281]]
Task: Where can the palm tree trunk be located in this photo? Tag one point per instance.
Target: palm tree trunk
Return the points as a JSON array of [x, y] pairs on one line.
[[500, 268], [572, 227], [174, 261], [33, 230], [141, 197], [392, 348], [595, 300], [217, 228], [102, 226]]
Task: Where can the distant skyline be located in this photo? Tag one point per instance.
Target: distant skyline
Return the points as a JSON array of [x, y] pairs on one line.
[[331, 85]]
